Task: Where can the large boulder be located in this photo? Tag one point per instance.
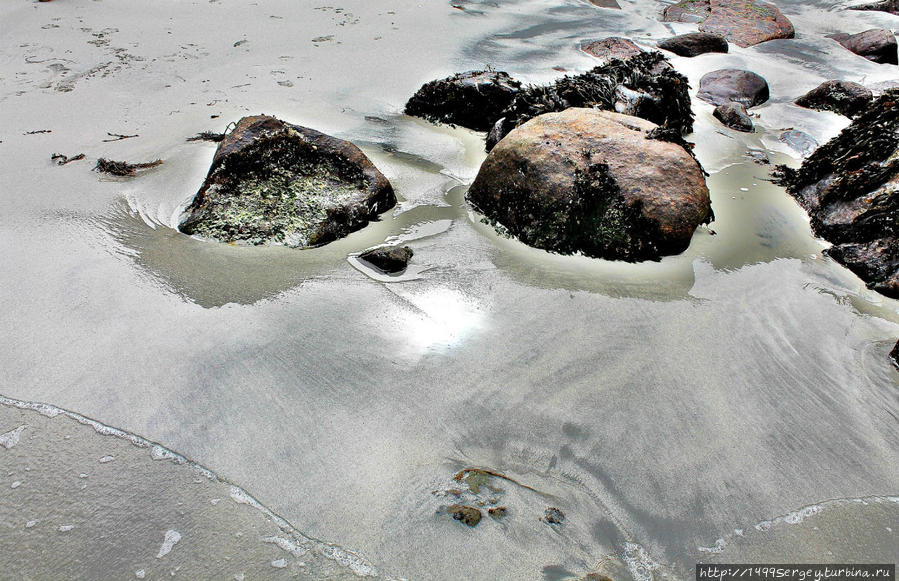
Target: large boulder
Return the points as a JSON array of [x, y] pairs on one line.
[[594, 182], [644, 85], [612, 47], [726, 85], [475, 99], [694, 44], [843, 97], [275, 183], [742, 22], [850, 188], [876, 45]]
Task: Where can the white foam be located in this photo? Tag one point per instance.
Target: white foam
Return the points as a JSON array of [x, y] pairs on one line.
[[31, 523], [11, 438], [354, 562], [171, 539], [639, 563], [66, 528], [719, 547], [287, 545], [106, 459], [140, 573]]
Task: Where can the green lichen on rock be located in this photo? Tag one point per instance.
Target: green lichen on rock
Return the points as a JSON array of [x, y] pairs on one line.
[[276, 183]]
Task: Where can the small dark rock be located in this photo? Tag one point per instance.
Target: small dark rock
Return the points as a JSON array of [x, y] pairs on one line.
[[877, 45], [894, 355], [611, 47], [389, 259], [497, 512], [734, 116], [553, 516], [694, 44], [843, 97], [726, 85], [475, 99], [467, 515]]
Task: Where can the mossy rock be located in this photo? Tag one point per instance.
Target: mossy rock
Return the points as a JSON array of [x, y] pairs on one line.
[[272, 182]]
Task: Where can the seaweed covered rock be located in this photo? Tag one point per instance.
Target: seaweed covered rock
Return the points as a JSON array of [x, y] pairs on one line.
[[390, 259], [876, 45], [726, 85], [850, 188], [475, 99], [742, 22], [734, 115], [612, 47], [594, 182], [694, 44], [275, 183], [644, 85], [843, 97]]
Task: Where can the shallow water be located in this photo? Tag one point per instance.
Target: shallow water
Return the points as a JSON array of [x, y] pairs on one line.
[[662, 406]]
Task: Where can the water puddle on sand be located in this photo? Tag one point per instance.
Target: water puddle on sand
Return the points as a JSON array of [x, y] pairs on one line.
[[662, 407]]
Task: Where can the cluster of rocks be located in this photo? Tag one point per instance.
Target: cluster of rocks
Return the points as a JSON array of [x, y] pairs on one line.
[[593, 163]]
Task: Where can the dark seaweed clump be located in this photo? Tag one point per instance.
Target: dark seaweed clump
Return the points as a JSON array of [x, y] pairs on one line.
[[475, 99], [669, 105]]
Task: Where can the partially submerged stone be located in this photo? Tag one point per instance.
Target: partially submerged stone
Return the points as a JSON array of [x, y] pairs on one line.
[[850, 188], [726, 85], [742, 22], [734, 115], [389, 259], [843, 97], [694, 44], [612, 47], [594, 182], [877, 45], [467, 515], [275, 183], [894, 355], [475, 99], [799, 141]]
